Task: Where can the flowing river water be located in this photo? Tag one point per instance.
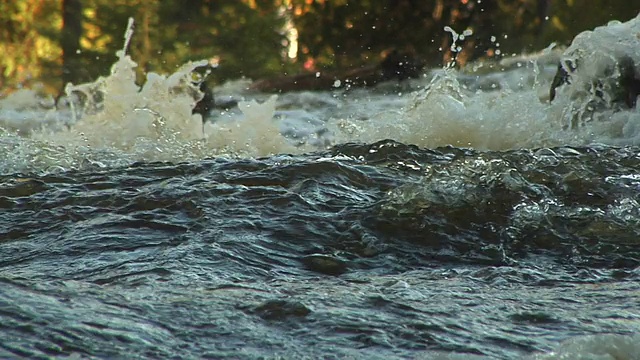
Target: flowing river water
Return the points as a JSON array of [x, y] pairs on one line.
[[456, 216]]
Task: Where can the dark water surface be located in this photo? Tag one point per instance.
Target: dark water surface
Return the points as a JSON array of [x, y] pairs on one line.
[[364, 251]]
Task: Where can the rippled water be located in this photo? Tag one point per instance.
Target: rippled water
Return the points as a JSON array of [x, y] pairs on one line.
[[289, 227], [450, 250]]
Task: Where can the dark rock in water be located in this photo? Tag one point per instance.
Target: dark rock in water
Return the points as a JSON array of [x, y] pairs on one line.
[[599, 73], [562, 77], [207, 103], [629, 81], [280, 309], [624, 90], [325, 264], [534, 318]]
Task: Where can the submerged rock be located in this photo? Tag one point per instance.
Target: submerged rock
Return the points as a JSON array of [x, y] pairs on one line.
[[207, 102], [204, 105], [533, 318], [620, 82], [325, 264], [280, 309]]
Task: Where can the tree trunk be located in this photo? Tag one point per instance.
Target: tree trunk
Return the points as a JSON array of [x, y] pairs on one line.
[[70, 40]]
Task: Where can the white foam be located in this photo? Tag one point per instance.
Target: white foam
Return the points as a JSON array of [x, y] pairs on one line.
[[502, 110], [256, 134], [445, 113], [124, 121], [596, 347], [19, 109], [595, 55], [517, 114], [591, 347]]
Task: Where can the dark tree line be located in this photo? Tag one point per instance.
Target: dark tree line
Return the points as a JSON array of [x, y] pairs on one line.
[[58, 41]]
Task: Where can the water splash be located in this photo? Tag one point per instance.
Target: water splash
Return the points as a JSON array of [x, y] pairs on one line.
[[123, 122], [114, 120], [594, 103], [510, 109]]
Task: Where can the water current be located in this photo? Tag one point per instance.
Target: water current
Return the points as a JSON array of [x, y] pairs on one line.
[[457, 216]]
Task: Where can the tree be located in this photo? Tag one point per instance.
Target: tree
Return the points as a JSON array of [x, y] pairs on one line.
[[70, 39], [57, 41], [26, 44]]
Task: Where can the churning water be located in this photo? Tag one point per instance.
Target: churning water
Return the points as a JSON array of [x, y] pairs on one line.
[[457, 216]]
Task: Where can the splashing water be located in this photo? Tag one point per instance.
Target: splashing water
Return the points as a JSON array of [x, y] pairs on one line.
[[447, 253], [121, 121]]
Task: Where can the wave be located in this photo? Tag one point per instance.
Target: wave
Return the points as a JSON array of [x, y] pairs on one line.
[[502, 110]]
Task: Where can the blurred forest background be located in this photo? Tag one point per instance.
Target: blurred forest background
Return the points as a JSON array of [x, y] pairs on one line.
[[58, 41]]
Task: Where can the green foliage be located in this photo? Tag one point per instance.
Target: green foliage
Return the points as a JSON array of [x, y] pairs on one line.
[[245, 41], [247, 37], [167, 34], [343, 33], [346, 34], [25, 51]]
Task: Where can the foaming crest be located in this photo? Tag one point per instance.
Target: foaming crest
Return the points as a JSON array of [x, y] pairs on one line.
[[447, 113], [122, 121], [256, 134], [149, 122], [155, 122], [18, 108], [596, 347], [593, 103], [518, 114]]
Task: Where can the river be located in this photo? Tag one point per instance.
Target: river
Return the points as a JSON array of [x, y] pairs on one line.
[[456, 216]]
